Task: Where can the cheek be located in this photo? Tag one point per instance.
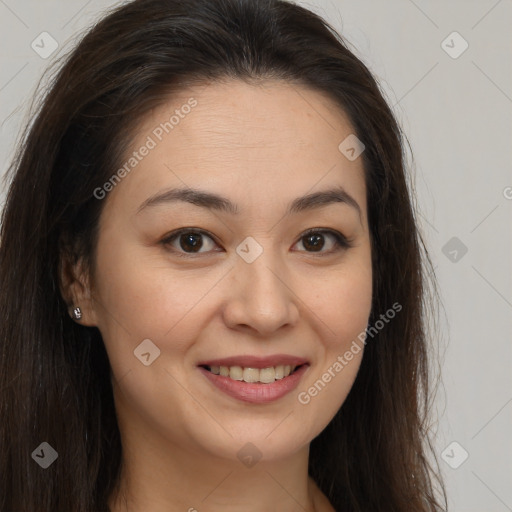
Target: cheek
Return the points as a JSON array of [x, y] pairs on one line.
[[136, 291], [343, 304], [325, 391], [140, 297]]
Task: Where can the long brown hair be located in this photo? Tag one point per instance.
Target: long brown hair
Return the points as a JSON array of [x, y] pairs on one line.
[[55, 374]]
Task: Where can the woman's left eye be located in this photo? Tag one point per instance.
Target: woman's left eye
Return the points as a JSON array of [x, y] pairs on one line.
[[315, 239], [187, 241]]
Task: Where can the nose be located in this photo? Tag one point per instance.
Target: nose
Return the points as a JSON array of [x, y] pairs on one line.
[[261, 297]]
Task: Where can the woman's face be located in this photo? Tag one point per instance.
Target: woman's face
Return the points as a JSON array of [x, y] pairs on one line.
[[244, 285]]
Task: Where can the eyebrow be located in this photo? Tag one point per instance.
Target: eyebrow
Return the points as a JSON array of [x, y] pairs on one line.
[[222, 204]]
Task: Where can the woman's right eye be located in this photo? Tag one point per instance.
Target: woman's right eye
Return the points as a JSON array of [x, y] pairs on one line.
[[187, 241]]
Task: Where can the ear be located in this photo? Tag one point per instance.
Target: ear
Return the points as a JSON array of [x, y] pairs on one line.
[[74, 283]]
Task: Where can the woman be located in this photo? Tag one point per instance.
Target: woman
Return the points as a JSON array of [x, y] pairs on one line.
[[212, 280]]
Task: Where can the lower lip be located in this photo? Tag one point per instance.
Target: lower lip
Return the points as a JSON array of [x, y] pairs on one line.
[[256, 392]]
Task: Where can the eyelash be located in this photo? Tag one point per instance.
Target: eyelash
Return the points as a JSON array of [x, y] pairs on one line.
[[340, 241]]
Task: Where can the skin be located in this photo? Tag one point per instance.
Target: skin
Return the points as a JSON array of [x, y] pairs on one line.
[[261, 146]]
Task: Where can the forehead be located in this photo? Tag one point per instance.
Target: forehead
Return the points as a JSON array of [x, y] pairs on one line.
[[270, 140], [234, 114]]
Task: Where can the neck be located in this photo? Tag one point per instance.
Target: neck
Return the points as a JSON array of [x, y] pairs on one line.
[[158, 476]]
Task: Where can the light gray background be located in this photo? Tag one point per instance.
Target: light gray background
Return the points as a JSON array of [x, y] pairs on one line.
[[456, 113]]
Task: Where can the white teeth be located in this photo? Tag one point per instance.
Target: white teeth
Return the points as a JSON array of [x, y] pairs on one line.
[[267, 375], [236, 373], [251, 374], [263, 375]]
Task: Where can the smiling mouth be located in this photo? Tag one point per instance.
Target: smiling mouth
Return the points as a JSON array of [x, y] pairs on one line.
[[254, 375]]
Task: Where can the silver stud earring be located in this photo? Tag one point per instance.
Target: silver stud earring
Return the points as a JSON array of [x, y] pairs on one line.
[[77, 313]]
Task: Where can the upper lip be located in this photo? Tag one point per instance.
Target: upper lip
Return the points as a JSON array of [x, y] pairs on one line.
[[248, 361]]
